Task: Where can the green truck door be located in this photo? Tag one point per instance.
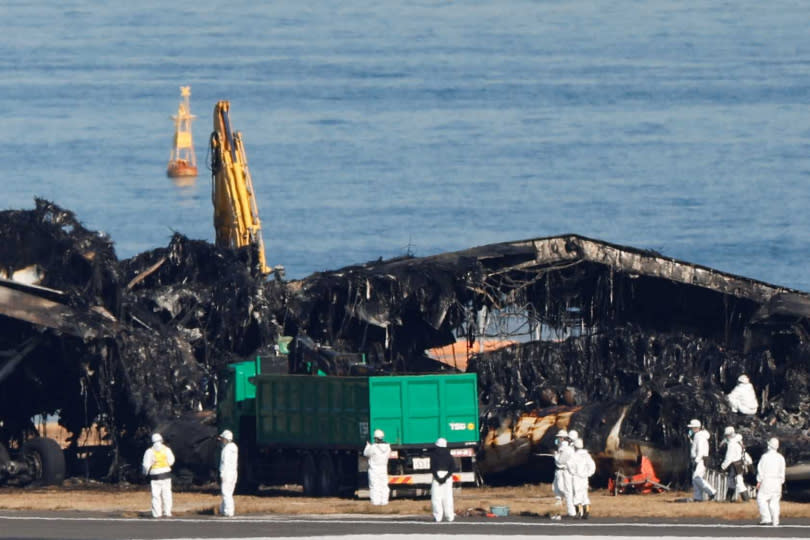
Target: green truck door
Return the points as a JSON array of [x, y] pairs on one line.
[[461, 409], [418, 409]]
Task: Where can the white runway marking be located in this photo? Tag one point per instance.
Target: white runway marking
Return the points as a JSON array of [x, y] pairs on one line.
[[398, 521], [382, 520], [434, 531], [472, 537]]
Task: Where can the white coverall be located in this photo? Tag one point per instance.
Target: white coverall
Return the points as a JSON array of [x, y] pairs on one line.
[[442, 467], [378, 454], [562, 476], [582, 467], [698, 453], [441, 499], [734, 453], [157, 463], [743, 399], [228, 466], [771, 476]]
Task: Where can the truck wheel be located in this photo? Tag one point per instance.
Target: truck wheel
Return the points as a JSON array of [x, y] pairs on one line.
[[327, 478], [246, 481], [4, 457], [46, 461], [309, 476], [347, 475]]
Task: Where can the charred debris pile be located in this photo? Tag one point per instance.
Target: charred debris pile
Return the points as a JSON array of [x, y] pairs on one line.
[[624, 344], [126, 345]]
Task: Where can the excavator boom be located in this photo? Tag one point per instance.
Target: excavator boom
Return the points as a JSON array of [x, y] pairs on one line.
[[236, 215]]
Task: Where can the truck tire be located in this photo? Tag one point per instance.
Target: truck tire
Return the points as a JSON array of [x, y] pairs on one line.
[[246, 481], [4, 457], [347, 475], [248, 466], [309, 476], [46, 461], [327, 476]]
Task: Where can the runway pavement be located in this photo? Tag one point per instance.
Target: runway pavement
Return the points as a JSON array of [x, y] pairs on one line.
[[89, 527]]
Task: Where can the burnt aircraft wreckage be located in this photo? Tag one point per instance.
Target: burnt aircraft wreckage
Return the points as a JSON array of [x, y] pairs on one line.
[[623, 344]]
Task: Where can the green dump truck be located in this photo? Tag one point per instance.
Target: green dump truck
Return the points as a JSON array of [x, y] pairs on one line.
[[311, 430]]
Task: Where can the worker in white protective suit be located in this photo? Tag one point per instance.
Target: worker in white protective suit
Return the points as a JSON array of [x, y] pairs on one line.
[[228, 467], [378, 454], [442, 467], [157, 464], [562, 476], [770, 477], [743, 399], [582, 467], [698, 455], [734, 464]]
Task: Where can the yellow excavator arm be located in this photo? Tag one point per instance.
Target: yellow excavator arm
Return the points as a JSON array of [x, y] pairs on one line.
[[236, 216]]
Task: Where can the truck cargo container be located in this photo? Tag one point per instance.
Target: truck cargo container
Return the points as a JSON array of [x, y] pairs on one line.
[[311, 430]]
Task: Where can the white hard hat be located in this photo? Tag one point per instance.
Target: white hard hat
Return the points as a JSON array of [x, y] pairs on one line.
[[379, 434], [562, 434], [573, 435], [579, 444], [441, 442], [227, 435], [743, 379], [728, 431], [773, 443], [156, 437], [694, 422]]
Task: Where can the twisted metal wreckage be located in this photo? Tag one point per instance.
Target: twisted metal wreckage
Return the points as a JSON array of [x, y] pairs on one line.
[[623, 344]]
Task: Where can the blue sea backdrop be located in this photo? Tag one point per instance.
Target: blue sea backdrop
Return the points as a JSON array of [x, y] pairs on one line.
[[374, 129]]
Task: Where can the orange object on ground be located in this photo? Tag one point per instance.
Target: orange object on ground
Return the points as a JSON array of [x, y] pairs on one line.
[[645, 481]]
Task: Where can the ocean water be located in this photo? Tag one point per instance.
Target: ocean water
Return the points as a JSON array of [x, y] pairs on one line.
[[379, 128]]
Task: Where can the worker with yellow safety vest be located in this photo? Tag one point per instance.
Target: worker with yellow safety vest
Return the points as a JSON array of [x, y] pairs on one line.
[[157, 464]]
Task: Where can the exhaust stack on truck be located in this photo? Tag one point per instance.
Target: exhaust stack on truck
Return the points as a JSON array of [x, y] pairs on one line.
[[311, 430]]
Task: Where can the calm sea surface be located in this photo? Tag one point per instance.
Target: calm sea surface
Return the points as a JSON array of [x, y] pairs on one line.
[[374, 128]]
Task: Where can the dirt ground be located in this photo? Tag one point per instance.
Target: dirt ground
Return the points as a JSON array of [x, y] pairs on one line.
[[528, 500]]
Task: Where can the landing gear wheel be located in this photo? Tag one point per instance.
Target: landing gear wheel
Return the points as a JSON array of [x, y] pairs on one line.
[[45, 460], [309, 476], [327, 477]]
